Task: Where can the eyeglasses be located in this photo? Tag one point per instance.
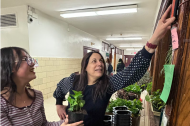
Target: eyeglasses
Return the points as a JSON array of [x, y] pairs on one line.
[[30, 61]]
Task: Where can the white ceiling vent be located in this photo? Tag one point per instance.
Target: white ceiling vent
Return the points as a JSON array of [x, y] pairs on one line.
[[8, 20]]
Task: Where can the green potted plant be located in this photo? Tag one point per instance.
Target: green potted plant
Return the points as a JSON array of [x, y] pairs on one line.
[[134, 106], [133, 91], [156, 102], [116, 103], [75, 112], [144, 80], [149, 88]]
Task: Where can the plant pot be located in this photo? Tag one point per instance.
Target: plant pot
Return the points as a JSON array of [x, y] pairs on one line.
[[120, 108], [108, 123], [132, 96], [156, 113], [75, 117], [122, 118], [136, 121], [107, 117]]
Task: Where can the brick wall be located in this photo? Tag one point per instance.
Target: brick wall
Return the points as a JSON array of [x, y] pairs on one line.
[[50, 71]]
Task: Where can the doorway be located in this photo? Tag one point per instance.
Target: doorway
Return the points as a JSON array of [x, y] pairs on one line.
[[88, 49]]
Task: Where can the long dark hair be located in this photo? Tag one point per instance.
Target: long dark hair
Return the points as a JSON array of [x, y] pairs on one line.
[[108, 61], [81, 81], [120, 60], [7, 65]]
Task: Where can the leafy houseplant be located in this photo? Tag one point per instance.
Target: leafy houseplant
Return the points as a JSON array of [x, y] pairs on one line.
[[76, 104], [157, 103], [134, 106], [132, 90]]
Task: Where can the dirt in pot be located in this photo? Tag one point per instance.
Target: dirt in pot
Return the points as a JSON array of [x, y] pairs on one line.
[[132, 96], [120, 108]]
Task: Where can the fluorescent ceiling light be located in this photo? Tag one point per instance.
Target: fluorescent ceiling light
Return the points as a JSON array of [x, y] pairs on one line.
[[131, 46], [120, 11], [133, 38], [81, 14], [99, 11]]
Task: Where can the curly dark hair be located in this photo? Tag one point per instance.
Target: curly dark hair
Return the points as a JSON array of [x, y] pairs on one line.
[[8, 57]]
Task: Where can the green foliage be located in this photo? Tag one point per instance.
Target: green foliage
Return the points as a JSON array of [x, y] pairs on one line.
[[133, 88], [145, 79], [117, 102], [134, 106], [168, 59], [155, 99], [149, 87], [75, 101]]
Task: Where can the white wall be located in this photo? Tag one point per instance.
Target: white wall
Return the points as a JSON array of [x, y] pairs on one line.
[[128, 52], [16, 36], [50, 37]]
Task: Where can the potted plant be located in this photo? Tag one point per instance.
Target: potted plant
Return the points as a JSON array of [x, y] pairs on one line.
[[116, 103], [156, 102], [149, 88], [122, 94], [144, 80], [75, 112], [134, 91], [134, 106]]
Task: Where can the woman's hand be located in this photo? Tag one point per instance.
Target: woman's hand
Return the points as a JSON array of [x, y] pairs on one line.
[[61, 111], [163, 26], [73, 124]]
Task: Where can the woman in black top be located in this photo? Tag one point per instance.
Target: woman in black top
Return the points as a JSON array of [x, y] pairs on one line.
[[120, 65], [97, 87]]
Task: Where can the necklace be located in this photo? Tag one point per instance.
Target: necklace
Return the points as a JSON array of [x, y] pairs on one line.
[[23, 101]]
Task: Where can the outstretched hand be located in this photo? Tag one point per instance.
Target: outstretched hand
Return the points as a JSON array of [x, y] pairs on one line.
[[164, 24]]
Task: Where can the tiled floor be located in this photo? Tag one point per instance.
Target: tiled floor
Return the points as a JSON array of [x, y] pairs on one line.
[[51, 113], [50, 109]]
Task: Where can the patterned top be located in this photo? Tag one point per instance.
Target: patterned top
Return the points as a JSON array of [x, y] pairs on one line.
[[130, 75], [32, 115]]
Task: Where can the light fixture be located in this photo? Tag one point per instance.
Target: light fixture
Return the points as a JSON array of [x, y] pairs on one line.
[[120, 11], [131, 38], [132, 46], [81, 14], [99, 11]]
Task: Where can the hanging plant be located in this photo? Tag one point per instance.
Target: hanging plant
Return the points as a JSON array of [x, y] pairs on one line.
[[168, 59]]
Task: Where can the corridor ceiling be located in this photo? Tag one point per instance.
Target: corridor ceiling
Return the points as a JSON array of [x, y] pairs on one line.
[[138, 24]]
